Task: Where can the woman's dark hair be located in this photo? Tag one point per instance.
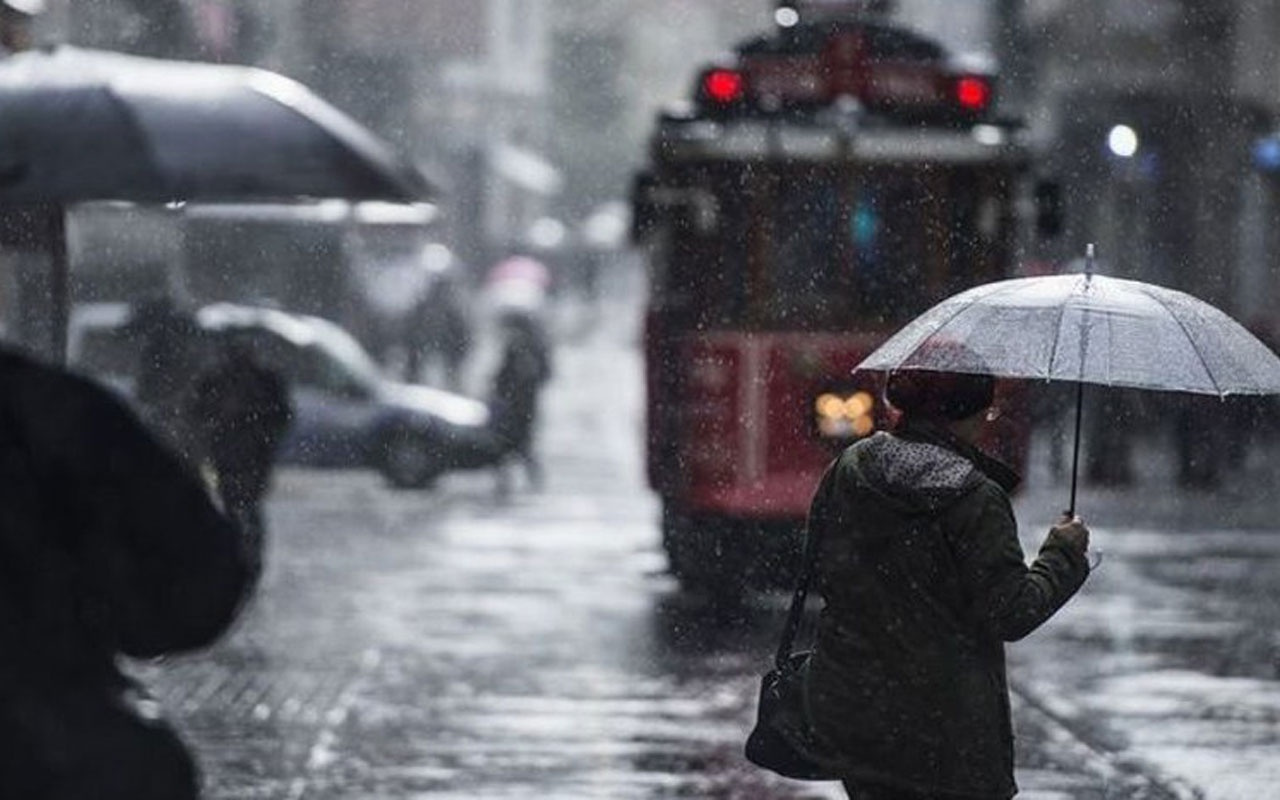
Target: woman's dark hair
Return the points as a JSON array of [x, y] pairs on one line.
[[955, 386], [939, 395]]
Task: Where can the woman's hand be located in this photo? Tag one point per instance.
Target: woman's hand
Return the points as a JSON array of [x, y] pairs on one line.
[[1071, 531]]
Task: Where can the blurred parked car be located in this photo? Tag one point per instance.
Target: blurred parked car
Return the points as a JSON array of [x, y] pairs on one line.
[[347, 412]]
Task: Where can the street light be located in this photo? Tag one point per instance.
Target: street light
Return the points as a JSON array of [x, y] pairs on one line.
[[1123, 141], [1266, 154]]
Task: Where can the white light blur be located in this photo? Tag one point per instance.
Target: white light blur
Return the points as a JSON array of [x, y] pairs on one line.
[[989, 135], [786, 17], [1123, 141], [547, 233]]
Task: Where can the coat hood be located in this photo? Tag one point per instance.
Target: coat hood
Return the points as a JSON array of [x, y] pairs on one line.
[[924, 470], [914, 476]]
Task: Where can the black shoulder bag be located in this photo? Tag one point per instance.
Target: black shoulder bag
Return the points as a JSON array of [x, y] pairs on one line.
[[783, 740]]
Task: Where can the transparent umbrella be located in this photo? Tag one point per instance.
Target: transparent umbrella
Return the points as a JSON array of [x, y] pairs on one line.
[[1085, 328]]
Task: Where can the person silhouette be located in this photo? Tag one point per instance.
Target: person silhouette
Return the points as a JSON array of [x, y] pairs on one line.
[[923, 579], [110, 547], [238, 411], [517, 385]]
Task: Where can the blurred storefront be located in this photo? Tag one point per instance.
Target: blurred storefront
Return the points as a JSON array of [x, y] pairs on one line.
[[1149, 110]]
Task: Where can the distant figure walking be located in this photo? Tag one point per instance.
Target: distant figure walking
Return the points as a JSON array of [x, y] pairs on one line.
[[239, 412], [109, 546], [524, 370], [438, 336]]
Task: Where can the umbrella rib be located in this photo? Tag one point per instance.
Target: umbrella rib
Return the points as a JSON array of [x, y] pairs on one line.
[[1195, 348], [136, 128], [1057, 337], [963, 308], [296, 100], [1111, 348]]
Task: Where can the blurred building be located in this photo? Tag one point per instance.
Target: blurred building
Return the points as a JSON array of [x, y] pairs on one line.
[[1150, 110], [461, 84], [615, 63], [532, 113], [236, 31]]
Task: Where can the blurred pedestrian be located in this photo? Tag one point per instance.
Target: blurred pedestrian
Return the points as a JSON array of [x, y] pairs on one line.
[[439, 333], [518, 282], [238, 412], [517, 385], [924, 580], [1113, 419], [1202, 431], [16, 19], [109, 547], [170, 352]]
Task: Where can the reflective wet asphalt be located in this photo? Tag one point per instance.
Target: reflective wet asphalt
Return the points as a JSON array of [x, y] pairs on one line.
[[462, 644]]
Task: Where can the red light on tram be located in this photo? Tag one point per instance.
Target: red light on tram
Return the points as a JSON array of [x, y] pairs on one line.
[[724, 86], [973, 93]]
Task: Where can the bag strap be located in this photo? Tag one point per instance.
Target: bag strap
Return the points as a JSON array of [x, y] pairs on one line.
[[796, 612]]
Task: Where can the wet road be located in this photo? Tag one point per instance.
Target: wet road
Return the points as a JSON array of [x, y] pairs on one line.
[[455, 644]]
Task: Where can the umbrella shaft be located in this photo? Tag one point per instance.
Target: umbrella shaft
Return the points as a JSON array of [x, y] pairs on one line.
[[1075, 448]]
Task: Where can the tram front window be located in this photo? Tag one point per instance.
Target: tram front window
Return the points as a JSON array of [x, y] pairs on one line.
[[876, 247], [889, 225], [827, 249], [810, 251]]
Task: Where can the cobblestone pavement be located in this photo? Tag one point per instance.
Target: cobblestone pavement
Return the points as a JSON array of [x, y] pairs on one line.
[[456, 645], [1168, 661]]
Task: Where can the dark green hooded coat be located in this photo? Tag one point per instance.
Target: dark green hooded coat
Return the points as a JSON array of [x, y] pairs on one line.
[[924, 579]]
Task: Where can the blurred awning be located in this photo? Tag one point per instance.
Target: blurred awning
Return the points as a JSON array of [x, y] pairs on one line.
[[330, 212], [526, 169]]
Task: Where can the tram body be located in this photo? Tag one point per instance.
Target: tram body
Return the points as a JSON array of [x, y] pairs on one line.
[[827, 186]]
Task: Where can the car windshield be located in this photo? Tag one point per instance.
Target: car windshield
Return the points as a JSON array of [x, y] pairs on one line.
[[310, 353], [344, 355]]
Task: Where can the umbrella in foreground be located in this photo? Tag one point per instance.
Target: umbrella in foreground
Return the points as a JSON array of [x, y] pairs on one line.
[[80, 125], [93, 125], [1085, 328]]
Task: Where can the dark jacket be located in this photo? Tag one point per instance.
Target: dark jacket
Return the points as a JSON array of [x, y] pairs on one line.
[[924, 580], [240, 411], [524, 369], [108, 544]]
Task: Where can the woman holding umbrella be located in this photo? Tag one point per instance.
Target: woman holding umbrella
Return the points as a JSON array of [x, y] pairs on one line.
[[924, 580]]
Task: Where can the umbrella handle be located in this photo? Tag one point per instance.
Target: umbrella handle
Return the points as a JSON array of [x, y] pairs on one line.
[[1075, 449]]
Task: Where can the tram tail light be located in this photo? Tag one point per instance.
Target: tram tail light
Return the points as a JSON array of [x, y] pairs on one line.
[[845, 416], [972, 93], [722, 88]]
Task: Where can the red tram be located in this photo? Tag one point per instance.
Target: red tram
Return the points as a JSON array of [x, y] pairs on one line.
[[834, 179]]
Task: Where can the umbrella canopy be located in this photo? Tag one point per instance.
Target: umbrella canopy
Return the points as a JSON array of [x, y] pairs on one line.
[[1089, 329], [1085, 329], [91, 125]]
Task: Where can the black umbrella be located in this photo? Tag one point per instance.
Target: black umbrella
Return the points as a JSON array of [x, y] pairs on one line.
[[80, 125]]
